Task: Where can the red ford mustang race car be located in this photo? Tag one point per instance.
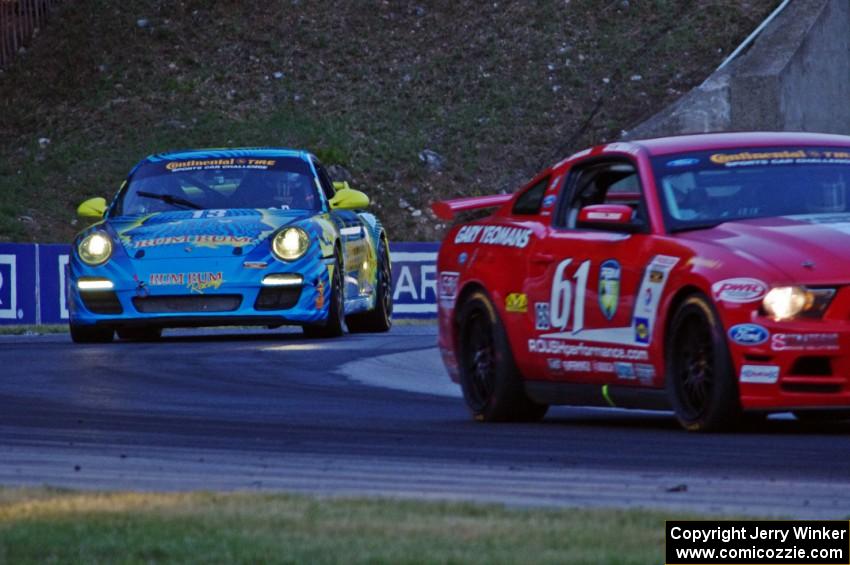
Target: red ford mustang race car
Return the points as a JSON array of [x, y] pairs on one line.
[[709, 274]]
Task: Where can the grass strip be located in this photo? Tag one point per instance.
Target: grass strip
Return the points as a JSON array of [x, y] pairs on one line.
[[56, 526], [28, 329]]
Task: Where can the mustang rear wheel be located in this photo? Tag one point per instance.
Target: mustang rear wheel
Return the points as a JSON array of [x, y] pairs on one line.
[[90, 334], [380, 318], [492, 384], [700, 382], [140, 334], [335, 325]]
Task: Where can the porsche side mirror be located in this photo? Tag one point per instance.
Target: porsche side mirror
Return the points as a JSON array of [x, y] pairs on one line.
[[609, 217], [349, 199], [92, 209]]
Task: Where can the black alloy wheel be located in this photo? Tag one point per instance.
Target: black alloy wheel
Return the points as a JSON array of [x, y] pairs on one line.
[[491, 382], [335, 323], [700, 381]]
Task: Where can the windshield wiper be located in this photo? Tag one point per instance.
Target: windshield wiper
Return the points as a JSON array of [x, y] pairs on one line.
[[167, 198]]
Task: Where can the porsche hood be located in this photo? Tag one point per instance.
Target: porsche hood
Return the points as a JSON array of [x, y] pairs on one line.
[[203, 233]]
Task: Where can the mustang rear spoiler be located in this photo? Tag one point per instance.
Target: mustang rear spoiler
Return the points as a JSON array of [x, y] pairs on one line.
[[446, 209]]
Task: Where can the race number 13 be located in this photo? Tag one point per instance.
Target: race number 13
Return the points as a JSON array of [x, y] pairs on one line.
[[561, 299]]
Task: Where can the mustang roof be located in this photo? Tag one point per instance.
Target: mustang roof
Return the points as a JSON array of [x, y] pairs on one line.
[[700, 142]]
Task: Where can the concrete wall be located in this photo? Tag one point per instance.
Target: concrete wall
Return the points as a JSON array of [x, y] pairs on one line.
[[794, 77]]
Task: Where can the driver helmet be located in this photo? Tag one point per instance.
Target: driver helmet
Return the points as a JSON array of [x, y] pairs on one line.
[[294, 190], [689, 198], [827, 194]]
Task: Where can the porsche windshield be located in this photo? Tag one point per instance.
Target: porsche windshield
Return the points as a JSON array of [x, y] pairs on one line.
[[285, 183], [711, 187]]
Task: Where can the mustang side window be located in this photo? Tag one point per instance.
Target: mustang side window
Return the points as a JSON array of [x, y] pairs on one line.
[[529, 202], [613, 182]]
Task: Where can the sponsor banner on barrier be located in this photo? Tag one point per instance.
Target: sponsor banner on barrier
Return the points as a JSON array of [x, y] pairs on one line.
[[18, 284], [52, 264], [33, 284], [414, 279]]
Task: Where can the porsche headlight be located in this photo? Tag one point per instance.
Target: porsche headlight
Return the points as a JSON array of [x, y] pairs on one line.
[[290, 244], [95, 248]]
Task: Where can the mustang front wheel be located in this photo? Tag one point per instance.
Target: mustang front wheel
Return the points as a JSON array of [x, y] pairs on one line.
[[492, 384], [700, 382]]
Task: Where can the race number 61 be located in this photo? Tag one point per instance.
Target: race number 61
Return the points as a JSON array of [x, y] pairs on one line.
[[561, 299]]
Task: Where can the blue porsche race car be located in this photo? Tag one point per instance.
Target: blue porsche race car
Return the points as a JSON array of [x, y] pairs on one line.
[[229, 237]]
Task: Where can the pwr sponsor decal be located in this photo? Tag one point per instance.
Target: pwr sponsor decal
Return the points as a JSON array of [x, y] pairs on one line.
[[740, 290], [505, 236], [760, 374], [804, 342]]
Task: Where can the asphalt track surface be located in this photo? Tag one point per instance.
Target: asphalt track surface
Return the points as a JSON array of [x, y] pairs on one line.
[[275, 411]]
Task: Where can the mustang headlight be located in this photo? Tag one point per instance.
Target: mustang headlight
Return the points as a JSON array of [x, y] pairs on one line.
[[785, 302], [290, 244], [95, 248]]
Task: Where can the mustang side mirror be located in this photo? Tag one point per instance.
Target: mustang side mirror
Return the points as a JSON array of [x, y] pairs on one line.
[[609, 217], [92, 209], [349, 199]]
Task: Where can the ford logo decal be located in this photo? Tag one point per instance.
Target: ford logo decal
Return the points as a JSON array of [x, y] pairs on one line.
[[748, 334]]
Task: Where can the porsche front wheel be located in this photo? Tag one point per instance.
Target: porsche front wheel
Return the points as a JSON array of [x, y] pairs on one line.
[[491, 382], [380, 318], [701, 385], [335, 323]]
